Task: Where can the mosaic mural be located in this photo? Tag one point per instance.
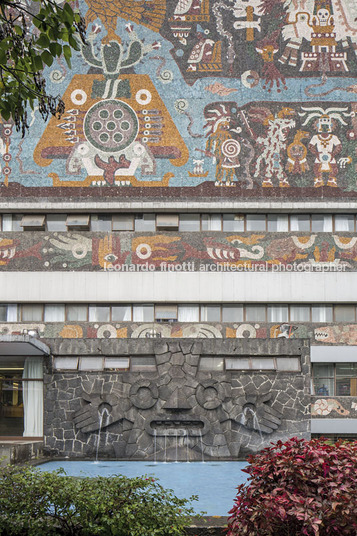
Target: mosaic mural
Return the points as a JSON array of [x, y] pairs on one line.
[[190, 95], [334, 407], [181, 252], [340, 334]]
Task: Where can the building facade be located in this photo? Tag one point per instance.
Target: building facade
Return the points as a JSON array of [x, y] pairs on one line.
[[178, 251]]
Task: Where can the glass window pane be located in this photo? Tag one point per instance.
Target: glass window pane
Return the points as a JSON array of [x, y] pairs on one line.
[[262, 363], [344, 313], [211, 363], [54, 312], [300, 222], [188, 313], [145, 222], [237, 363], [123, 222], [101, 222], [278, 222], [121, 313], [143, 313], [76, 313], [66, 363], [116, 363], [256, 222], [12, 312], [56, 222], [189, 222], [3, 313], [346, 379], [346, 369], [324, 387], [321, 313], [232, 313], [210, 313], [288, 363], [165, 312], [255, 313], [344, 222], [233, 222], [32, 312], [321, 223], [91, 363], [7, 222], [300, 313], [278, 313], [323, 370], [16, 222], [99, 313], [145, 364]]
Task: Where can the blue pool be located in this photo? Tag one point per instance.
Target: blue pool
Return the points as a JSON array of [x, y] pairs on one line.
[[215, 483]]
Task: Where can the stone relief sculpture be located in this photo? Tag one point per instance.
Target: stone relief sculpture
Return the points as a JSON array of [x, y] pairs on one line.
[[181, 412]]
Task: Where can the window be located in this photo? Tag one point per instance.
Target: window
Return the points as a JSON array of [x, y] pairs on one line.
[[90, 363], [335, 379], [189, 222], [300, 222], [78, 222], [210, 313], [143, 313], [321, 223], [32, 312], [145, 222], [233, 222], [101, 222], [188, 313], [123, 222], [99, 313], [255, 313], [116, 363], [232, 313], [278, 222], [278, 313], [211, 363], [321, 313], [165, 313], [8, 312], [77, 313], [143, 364], [211, 222], [300, 313], [54, 313], [344, 222], [256, 222], [168, 222], [56, 222], [66, 363], [33, 223], [121, 313], [345, 313]]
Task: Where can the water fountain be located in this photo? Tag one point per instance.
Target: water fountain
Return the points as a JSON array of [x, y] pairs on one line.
[[184, 411]]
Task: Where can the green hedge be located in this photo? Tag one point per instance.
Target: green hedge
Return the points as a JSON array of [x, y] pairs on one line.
[[35, 503]]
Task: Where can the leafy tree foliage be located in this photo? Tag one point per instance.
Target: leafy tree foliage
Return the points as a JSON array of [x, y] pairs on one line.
[[34, 503], [32, 34], [298, 488]]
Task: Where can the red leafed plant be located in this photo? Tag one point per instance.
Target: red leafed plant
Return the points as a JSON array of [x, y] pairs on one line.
[[298, 488]]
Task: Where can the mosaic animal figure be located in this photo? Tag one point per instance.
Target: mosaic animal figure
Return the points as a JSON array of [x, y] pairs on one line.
[[146, 12], [273, 144], [297, 152], [324, 406]]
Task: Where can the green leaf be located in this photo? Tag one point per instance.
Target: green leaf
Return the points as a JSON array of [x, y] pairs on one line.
[[38, 65], [47, 58]]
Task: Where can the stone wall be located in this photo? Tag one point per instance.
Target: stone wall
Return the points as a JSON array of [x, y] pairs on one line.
[[177, 411]]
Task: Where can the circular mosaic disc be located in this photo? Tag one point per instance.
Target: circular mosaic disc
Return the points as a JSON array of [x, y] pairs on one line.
[[111, 125]]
